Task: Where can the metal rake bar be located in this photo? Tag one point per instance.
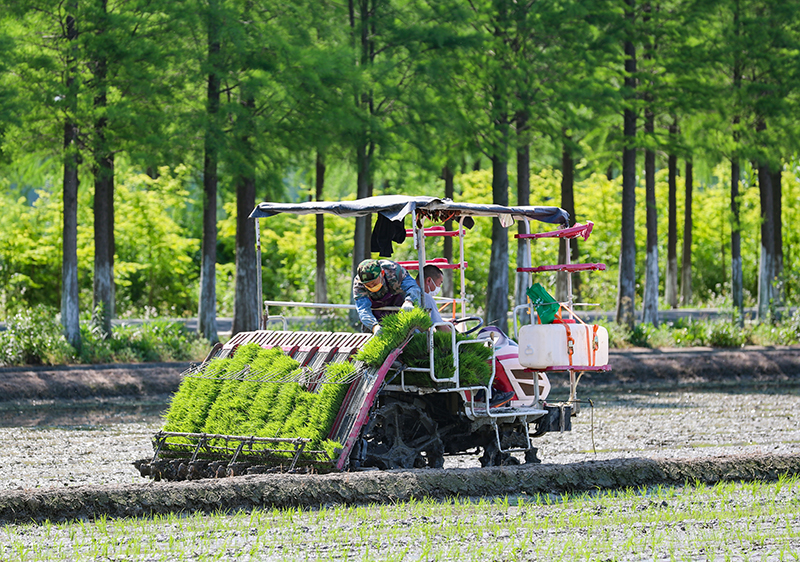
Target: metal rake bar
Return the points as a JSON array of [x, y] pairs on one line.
[[238, 446]]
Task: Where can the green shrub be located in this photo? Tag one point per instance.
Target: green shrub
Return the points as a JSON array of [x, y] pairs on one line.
[[35, 337], [619, 336], [725, 334], [641, 334], [793, 325], [689, 333], [783, 333], [156, 340]]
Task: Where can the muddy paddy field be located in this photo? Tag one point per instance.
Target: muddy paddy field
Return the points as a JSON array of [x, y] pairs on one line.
[[675, 455]]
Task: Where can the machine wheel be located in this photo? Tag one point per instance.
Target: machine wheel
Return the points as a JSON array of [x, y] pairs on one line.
[[531, 456], [492, 456], [398, 435]]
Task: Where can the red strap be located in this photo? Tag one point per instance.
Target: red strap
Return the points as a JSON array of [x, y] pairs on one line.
[[570, 344]]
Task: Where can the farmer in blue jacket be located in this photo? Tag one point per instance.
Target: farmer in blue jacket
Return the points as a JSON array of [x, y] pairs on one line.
[[381, 283]]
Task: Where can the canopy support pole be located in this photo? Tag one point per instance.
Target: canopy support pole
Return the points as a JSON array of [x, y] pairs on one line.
[[262, 311]]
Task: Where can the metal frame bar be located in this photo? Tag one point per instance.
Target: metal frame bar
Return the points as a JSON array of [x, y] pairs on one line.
[[299, 447]]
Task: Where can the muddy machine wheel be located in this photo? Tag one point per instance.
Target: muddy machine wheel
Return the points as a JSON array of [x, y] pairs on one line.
[[399, 435]]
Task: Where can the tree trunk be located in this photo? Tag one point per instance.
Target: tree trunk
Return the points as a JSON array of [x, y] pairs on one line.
[[568, 204], [626, 293], [737, 285], [651, 281], [737, 279], [651, 273], [779, 295], [321, 281], [362, 231], [364, 147], [246, 308], [497, 295], [103, 170], [523, 198], [207, 314], [497, 290], [70, 316], [103, 287], [766, 267], [686, 262], [671, 280], [448, 286]]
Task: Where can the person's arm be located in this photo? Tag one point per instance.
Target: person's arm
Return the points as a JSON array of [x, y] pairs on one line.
[[411, 289], [435, 314], [364, 308]]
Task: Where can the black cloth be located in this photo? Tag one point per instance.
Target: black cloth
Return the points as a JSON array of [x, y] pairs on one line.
[[384, 233]]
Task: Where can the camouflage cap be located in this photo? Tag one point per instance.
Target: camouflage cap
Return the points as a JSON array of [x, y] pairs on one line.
[[369, 270]]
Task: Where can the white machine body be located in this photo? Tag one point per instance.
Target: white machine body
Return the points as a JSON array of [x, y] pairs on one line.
[[571, 345]]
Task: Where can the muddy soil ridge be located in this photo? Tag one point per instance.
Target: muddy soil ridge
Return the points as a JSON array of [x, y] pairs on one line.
[[89, 381], [290, 490], [641, 366], [633, 367]]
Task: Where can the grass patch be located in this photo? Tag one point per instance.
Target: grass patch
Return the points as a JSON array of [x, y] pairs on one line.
[[737, 521]]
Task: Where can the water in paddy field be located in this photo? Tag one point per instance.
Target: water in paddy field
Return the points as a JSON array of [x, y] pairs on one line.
[[59, 443]]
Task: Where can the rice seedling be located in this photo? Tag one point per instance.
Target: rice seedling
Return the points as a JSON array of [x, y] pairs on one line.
[[256, 406], [474, 360], [395, 329]]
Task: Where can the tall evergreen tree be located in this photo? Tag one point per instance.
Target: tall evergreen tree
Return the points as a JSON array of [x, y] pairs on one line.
[[207, 313], [671, 277], [69, 268], [686, 259], [102, 169], [651, 274], [626, 290], [246, 308]]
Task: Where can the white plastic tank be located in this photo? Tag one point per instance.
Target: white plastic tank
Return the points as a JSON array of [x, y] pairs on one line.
[[546, 345]]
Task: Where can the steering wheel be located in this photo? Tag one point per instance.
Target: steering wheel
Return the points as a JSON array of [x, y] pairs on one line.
[[477, 319]]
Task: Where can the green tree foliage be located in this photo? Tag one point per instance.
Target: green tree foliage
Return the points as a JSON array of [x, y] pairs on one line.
[[154, 266], [387, 93]]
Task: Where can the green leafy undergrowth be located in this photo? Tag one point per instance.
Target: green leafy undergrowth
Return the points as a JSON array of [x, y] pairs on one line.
[[35, 336], [474, 360], [395, 328], [220, 404]]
